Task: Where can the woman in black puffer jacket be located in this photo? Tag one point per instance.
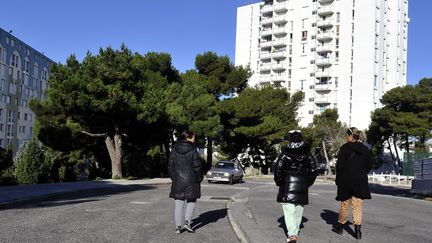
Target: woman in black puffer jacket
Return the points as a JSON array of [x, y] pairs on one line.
[[294, 172], [184, 167]]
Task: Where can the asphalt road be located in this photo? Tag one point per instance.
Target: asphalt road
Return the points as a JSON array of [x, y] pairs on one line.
[[145, 214], [390, 216]]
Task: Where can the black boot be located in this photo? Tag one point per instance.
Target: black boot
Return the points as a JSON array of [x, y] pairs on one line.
[[338, 228], [357, 232]]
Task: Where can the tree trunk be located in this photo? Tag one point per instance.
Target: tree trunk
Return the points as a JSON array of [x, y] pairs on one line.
[[209, 153], [391, 152], [115, 152], [327, 160], [397, 155]]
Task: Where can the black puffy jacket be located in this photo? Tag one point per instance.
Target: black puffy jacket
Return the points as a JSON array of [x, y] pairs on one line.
[[184, 167], [294, 172]]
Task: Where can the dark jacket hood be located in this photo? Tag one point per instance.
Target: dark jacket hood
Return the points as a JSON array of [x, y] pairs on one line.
[[184, 147], [357, 147], [301, 148]]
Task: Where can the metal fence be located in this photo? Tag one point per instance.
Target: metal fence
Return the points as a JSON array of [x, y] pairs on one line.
[[409, 159], [390, 178], [423, 169]]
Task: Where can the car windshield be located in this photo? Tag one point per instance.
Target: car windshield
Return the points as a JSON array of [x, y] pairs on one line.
[[225, 165]]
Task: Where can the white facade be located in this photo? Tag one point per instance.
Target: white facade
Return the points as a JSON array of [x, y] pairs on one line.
[[341, 54]]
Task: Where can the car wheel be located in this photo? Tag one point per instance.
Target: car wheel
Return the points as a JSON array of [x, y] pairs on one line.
[[231, 180], [209, 181], [240, 179]]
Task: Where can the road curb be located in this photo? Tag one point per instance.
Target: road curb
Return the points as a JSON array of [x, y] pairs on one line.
[[241, 235]]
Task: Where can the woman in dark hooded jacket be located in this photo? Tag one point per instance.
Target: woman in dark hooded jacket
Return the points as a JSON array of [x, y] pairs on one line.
[[294, 172], [353, 164], [184, 167]]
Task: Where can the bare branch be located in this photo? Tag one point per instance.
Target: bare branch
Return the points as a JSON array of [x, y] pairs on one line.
[[94, 134]]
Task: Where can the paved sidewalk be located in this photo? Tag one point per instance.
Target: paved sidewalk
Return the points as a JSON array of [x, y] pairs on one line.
[[12, 196]]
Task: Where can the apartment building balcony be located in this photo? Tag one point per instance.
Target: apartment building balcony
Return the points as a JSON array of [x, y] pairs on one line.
[[323, 87], [265, 66], [280, 19], [280, 7], [325, 1], [322, 62], [279, 54], [324, 35], [267, 8], [265, 55], [325, 23], [279, 78], [280, 42], [266, 43], [324, 48], [265, 32], [267, 20], [278, 66], [324, 74], [265, 78], [280, 30], [325, 10], [323, 99]]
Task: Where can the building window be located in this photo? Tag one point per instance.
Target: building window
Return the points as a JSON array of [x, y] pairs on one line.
[[314, 12], [304, 35]]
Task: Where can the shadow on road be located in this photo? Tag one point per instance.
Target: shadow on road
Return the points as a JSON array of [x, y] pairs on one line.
[[76, 197], [208, 218], [331, 217], [282, 224]]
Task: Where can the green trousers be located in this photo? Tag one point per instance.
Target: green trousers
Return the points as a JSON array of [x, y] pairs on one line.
[[293, 217]]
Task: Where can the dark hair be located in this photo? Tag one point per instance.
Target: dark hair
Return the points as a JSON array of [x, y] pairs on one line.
[[295, 136], [187, 134], [354, 132]]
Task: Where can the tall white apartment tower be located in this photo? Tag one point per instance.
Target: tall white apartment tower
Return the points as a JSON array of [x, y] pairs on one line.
[[342, 54]]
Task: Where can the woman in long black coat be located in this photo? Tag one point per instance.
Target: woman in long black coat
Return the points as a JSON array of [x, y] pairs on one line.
[[184, 167], [353, 164], [294, 172]]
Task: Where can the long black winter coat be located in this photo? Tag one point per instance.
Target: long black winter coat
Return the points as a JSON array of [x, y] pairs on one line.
[[184, 167], [294, 172], [353, 164]]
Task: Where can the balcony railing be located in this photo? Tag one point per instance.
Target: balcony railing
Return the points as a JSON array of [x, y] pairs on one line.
[[324, 23], [280, 42], [324, 48], [324, 35], [266, 32], [267, 8], [325, 1], [280, 30], [323, 99], [325, 10], [279, 66], [280, 19], [324, 74], [265, 55], [323, 62], [265, 66], [266, 21], [323, 87], [280, 7], [266, 43], [279, 78], [278, 54]]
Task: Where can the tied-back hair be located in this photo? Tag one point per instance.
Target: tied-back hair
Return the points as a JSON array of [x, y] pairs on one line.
[[354, 132], [186, 134]]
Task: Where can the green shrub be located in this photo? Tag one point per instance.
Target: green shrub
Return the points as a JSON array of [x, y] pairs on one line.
[[30, 165], [7, 169]]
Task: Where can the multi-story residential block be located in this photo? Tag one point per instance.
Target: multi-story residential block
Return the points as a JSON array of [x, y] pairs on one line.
[[342, 54], [23, 76]]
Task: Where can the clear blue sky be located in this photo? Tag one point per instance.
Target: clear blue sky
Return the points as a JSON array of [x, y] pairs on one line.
[[181, 28]]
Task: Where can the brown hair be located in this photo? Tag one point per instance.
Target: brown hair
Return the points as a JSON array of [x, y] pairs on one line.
[[187, 134], [354, 132]]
